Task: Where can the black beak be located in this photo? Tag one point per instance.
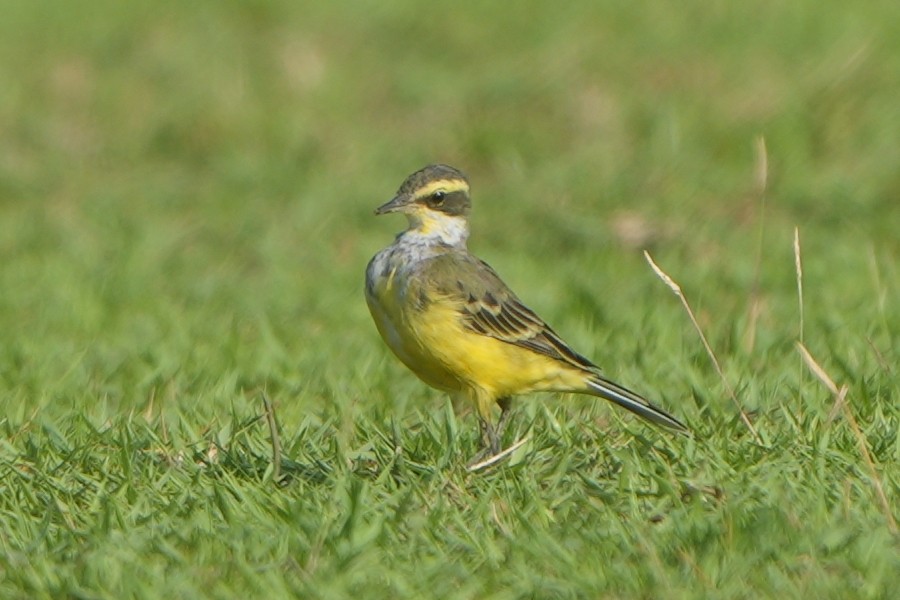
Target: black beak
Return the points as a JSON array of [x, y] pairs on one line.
[[393, 206]]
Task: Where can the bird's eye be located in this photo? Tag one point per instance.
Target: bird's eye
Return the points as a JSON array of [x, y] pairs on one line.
[[437, 198]]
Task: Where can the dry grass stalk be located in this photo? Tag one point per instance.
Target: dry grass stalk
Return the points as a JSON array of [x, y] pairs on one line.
[[492, 460], [840, 401], [677, 289], [761, 180]]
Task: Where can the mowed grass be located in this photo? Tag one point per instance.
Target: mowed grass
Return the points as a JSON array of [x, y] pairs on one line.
[[186, 197]]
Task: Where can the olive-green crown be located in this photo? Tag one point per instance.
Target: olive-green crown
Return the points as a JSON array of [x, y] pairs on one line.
[[429, 174]]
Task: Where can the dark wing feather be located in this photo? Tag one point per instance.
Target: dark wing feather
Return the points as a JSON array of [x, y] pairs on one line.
[[491, 308]]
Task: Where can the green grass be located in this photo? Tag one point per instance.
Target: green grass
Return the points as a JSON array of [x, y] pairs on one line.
[[186, 195]]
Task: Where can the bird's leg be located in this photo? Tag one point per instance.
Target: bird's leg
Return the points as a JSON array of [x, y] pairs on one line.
[[490, 443], [505, 405], [490, 438]]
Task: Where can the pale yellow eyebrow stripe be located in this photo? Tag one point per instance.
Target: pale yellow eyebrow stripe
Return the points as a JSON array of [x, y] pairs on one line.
[[448, 185]]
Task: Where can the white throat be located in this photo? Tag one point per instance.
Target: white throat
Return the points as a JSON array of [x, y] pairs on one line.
[[444, 230]]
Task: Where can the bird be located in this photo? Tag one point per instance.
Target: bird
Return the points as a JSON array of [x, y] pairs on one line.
[[450, 318]]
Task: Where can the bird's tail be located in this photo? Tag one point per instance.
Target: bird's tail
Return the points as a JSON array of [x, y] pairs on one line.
[[600, 386]]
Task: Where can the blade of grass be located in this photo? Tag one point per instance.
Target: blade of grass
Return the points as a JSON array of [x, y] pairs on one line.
[[275, 437], [497, 457], [677, 290], [798, 268], [761, 183], [840, 396]]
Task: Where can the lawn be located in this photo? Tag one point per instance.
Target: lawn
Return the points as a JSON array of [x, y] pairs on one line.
[[186, 197]]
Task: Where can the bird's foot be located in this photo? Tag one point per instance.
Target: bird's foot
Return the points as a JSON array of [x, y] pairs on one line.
[[487, 458]]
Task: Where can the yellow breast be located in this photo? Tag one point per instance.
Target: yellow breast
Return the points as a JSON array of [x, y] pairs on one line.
[[394, 311], [427, 332]]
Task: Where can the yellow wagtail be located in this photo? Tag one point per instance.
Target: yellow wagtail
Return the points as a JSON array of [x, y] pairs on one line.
[[450, 318]]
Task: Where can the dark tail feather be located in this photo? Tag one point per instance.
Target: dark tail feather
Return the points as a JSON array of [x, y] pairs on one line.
[[600, 386]]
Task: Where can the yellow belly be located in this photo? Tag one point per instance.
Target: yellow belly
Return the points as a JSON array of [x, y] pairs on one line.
[[429, 336], [436, 346], [474, 360]]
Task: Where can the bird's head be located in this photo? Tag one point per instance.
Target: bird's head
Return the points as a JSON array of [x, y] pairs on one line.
[[436, 202]]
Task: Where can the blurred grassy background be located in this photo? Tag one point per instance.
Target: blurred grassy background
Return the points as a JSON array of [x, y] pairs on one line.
[[186, 195]]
